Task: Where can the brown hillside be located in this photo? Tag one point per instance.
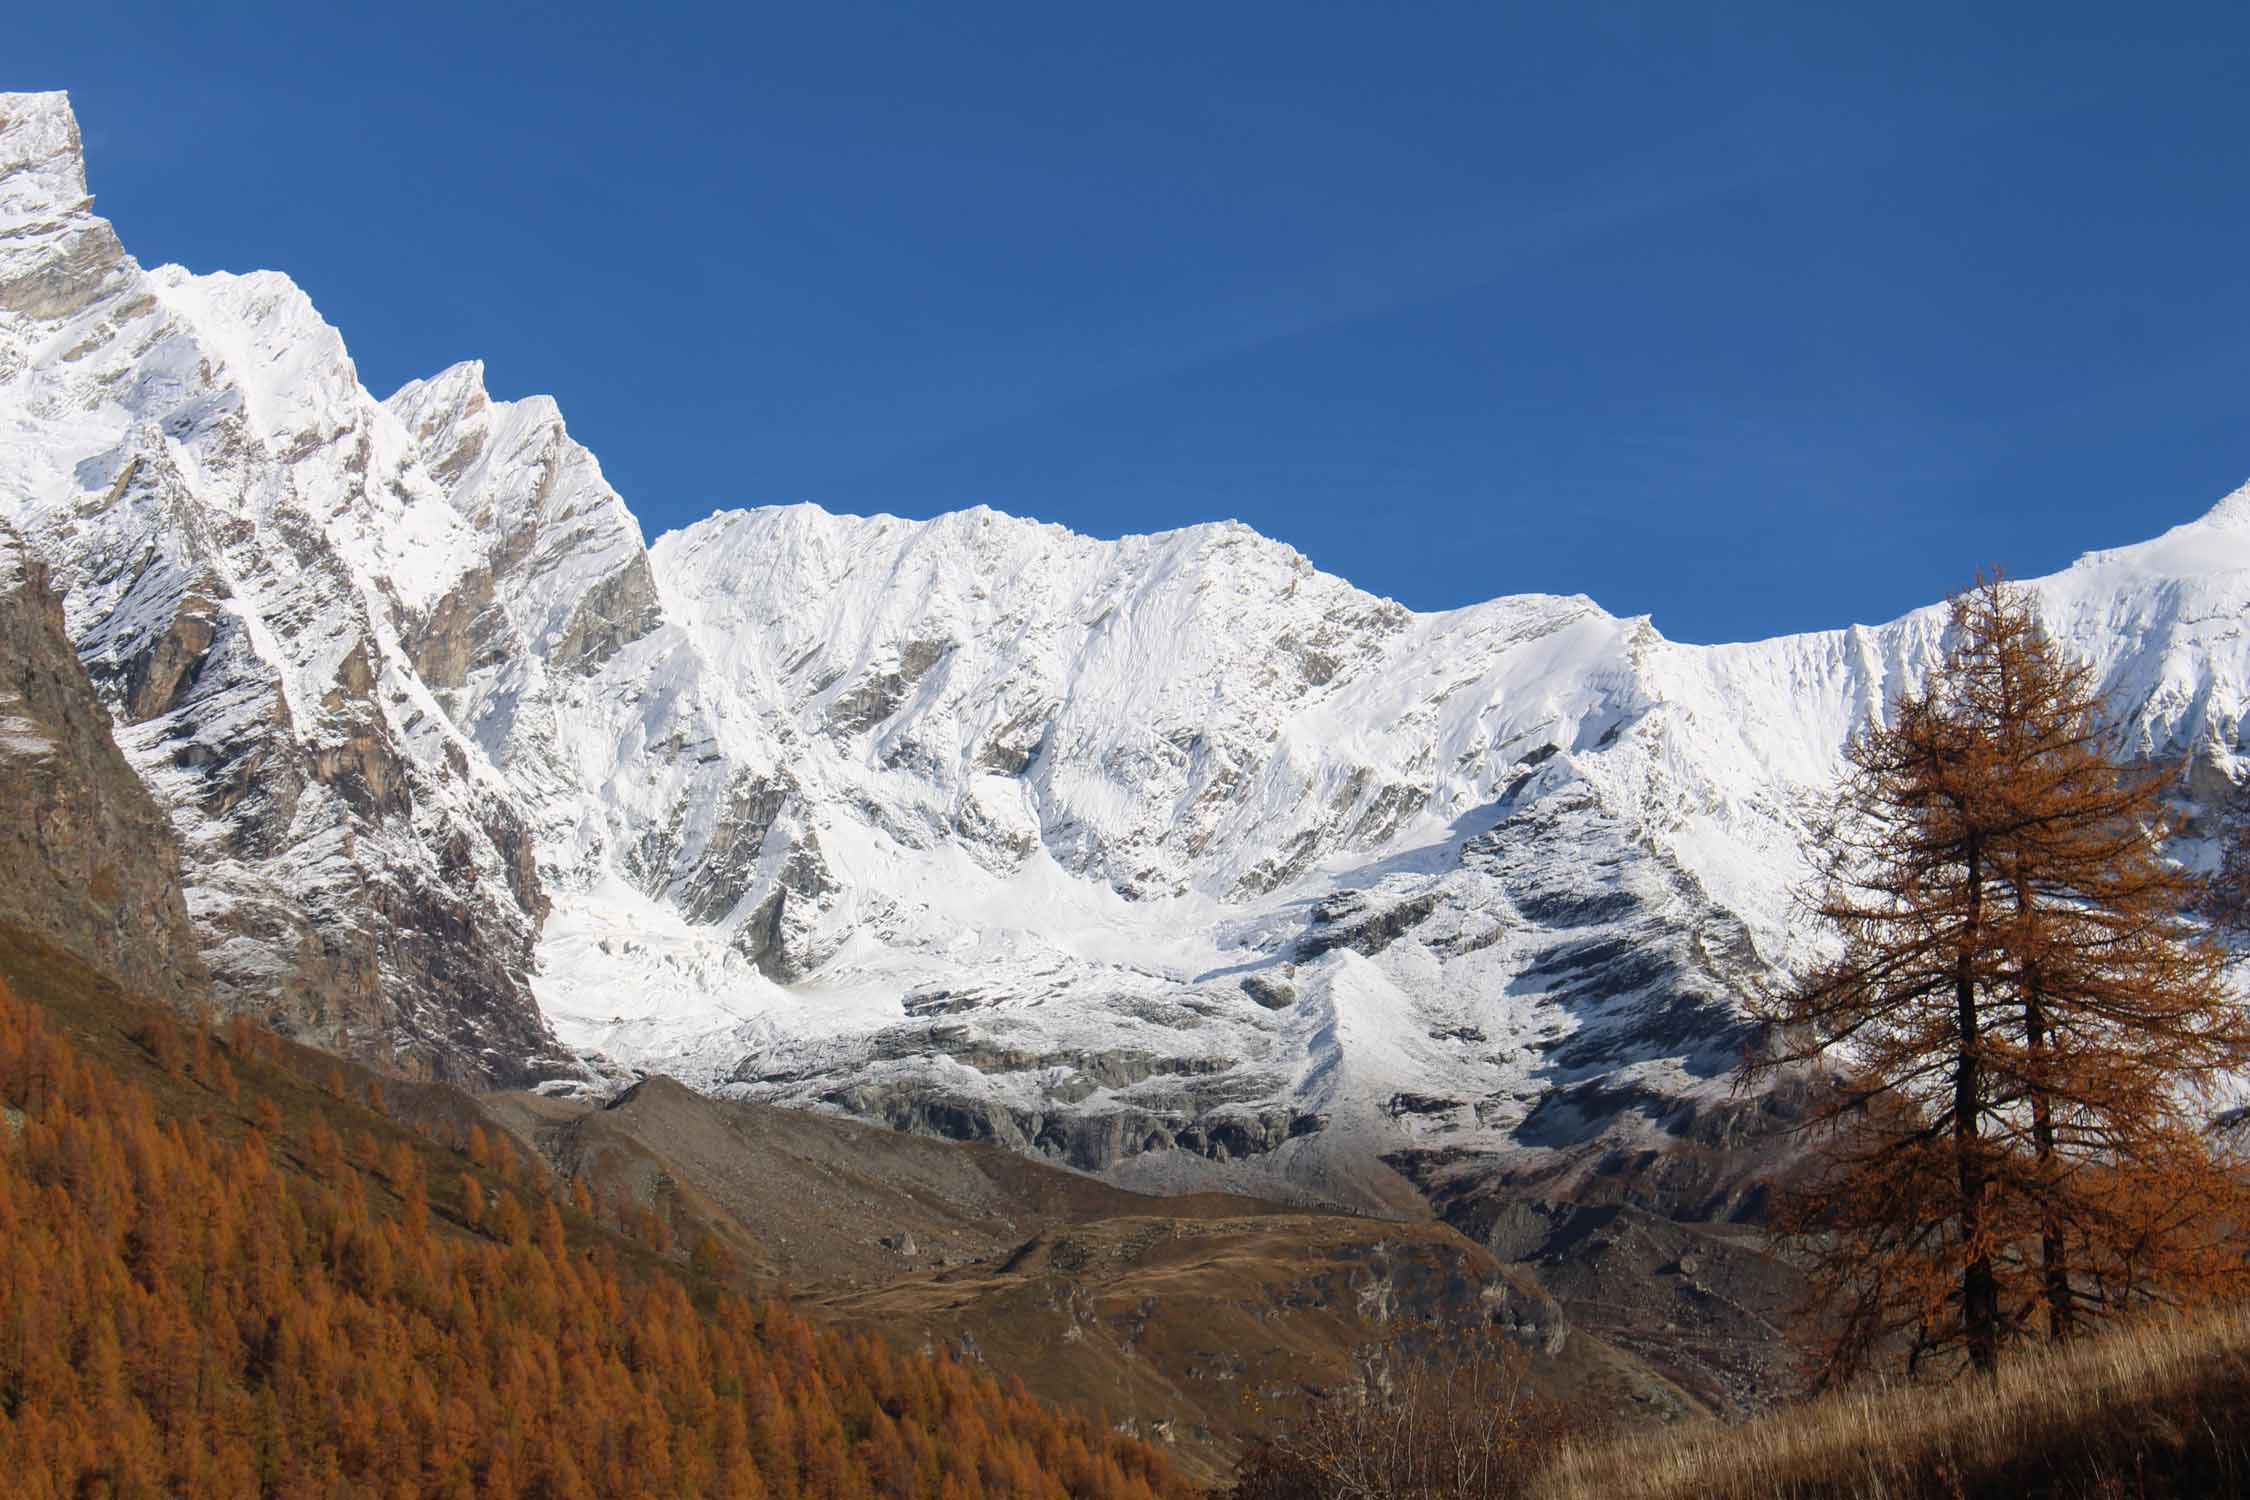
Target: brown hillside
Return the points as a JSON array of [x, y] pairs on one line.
[[1196, 1319], [219, 1277]]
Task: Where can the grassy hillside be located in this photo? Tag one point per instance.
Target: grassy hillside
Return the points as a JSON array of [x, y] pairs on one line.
[[2159, 1408], [227, 1268]]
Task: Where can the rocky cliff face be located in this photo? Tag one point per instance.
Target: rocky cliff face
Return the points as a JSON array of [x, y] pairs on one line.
[[86, 857], [1171, 857], [245, 546]]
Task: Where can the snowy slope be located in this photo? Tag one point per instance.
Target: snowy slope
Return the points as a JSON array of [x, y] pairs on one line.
[[1175, 844], [1171, 857]]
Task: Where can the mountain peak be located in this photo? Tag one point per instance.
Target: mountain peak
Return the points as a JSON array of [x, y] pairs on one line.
[[2232, 513], [459, 397], [459, 384], [42, 163]]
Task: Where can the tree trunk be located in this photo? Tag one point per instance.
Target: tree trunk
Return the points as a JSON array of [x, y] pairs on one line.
[[2054, 1263], [2054, 1256], [1980, 1290]]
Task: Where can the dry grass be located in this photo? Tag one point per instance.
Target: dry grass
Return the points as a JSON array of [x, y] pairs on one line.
[[2155, 1408]]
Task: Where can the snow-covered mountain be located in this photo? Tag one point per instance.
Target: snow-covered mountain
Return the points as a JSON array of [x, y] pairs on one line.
[[251, 552], [1171, 857]]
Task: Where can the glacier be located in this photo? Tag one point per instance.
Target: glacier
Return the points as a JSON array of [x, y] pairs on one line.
[[1170, 858]]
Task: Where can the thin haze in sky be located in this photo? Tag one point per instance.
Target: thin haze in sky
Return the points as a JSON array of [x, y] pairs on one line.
[[1753, 318]]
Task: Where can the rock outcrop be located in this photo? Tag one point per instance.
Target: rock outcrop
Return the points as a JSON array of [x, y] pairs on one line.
[[87, 859]]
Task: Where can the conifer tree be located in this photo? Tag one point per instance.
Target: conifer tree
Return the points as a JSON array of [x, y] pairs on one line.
[[2019, 1026]]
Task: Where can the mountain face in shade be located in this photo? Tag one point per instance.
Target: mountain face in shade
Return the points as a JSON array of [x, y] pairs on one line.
[[1170, 857], [87, 858]]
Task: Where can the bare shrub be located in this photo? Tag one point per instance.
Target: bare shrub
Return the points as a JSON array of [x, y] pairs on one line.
[[1429, 1415]]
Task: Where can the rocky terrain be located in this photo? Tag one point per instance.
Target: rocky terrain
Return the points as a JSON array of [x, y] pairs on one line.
[[194, 463], [1171, 859], [86, 856], [1191, 1318]]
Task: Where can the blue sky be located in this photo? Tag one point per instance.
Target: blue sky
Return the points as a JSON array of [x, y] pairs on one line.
[[1751, 318]]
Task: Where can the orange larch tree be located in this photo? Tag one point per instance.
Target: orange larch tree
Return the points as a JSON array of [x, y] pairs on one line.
[[193, 1306], [2019, 1028]]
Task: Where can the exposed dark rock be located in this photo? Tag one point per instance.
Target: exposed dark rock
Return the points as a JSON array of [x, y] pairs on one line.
[[1091, 1141], [615, 613], [942, 1002], [1269, 990], [156, 679], [1353, 920], [726, 867], [87, 859], [878, 695], [779, 937], [1014, 746], [1421, 1104], [1116, 1069], [464, 632]]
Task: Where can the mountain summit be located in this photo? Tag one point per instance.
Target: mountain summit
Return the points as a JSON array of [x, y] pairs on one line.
[[1172, 857], [246, 543]]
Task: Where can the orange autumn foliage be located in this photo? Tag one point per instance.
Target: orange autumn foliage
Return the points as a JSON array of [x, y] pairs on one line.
[[2023, 1026], [191, 1309]]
